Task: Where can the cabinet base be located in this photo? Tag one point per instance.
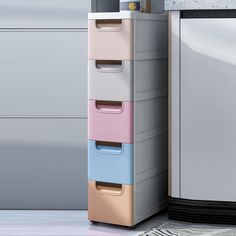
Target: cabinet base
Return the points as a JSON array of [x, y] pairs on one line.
[[197, 211]]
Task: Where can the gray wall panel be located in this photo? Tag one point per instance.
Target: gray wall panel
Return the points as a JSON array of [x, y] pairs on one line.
[[44, 13], [44, 73], [43, 163]]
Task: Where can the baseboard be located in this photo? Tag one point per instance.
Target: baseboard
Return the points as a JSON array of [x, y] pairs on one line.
[[215, 212]]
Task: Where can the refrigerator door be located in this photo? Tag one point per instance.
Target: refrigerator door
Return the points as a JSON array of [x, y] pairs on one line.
[[208, 114]]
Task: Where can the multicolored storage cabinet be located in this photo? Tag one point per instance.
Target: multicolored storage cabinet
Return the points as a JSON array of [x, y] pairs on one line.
[[128, 116]]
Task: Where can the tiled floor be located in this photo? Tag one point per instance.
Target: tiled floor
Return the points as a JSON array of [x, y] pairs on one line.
[[75, 223], [64, 223]]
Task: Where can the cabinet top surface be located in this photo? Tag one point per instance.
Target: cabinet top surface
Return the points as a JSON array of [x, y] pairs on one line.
[[172, 5], [126, 15]]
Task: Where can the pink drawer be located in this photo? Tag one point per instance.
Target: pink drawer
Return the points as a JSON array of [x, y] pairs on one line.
[[111, 121], [110, 39]]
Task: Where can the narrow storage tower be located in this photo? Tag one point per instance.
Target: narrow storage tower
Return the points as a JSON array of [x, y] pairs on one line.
[[127, 116]]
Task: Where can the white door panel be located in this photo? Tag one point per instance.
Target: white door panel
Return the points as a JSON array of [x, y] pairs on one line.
[[208, 109]]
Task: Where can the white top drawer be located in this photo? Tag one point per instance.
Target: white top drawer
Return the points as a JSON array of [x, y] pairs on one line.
[[44, 13]]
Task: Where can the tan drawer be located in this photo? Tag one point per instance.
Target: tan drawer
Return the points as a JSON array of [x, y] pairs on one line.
[[110, 203]]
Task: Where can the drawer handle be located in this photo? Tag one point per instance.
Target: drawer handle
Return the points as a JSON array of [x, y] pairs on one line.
[[109, 66], [109, 106], [109, 24], [109, 188], [109, 147]]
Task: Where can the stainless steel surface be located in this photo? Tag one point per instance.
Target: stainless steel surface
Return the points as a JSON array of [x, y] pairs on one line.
[[208, 101]]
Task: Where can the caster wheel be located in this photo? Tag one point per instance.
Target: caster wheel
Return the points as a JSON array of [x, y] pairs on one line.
[[133, 227], [93, 222]]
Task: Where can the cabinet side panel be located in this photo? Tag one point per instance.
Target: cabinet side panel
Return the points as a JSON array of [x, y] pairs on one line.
[[174, 104]]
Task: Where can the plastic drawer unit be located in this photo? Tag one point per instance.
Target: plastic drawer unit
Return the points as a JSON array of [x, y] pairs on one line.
[[111, 121], [128, 115], [123, 80], [126, 204], [116, 196], [124, 123], [126, 36], [111, 162], [111, 80]]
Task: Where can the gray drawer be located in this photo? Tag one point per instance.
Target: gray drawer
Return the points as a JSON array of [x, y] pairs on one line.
[[44, 13], [43, 164], [43, 73]]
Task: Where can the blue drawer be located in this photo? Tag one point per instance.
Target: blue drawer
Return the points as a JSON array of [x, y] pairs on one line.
[[110, 162]]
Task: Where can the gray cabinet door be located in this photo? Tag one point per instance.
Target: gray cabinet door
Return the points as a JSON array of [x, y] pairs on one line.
[[43, 73], [44, 13], [43, 163], [208, 109]]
